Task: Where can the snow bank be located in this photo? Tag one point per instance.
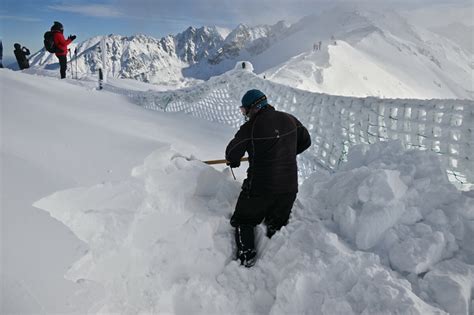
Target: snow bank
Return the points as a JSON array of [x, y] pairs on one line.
[[398, 204], [451, 283], [160, 241], [136, 229]]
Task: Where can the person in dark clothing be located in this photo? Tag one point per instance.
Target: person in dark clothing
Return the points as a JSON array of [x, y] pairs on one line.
[[272, 140], [20, 54], [61, 46], [1, 54]]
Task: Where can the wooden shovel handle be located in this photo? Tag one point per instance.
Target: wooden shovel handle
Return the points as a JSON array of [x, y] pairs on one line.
[[210, 162]]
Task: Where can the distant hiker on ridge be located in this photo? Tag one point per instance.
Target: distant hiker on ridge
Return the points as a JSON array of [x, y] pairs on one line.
[[272, 140], [1, 54], [61, 46], [20, 54]]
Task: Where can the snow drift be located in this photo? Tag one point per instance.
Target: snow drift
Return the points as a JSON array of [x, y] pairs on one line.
[[386, 234]]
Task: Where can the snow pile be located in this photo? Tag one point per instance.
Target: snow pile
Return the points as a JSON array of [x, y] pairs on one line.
[[160, 241], [164, 226], [401, 206]]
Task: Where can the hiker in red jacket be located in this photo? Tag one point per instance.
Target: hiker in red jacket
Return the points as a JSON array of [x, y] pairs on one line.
[[61, 45]]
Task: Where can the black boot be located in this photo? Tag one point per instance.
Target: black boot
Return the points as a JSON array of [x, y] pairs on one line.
[[245, 240], [271, 230]]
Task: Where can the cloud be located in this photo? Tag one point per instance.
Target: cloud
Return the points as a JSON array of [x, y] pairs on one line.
[[20, 18], [222, 12], [95, 10]]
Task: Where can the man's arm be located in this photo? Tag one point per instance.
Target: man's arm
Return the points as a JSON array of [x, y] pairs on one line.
[[236, 148], [62, 41], [302, 137]]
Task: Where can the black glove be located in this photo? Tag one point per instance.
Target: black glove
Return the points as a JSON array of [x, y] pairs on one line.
[[72, 37], [233, 164]]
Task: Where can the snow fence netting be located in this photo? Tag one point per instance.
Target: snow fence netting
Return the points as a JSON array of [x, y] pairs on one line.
[[335, 122], [388, 233]]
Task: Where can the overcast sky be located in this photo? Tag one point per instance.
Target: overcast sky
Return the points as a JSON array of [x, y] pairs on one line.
[[25, 21]]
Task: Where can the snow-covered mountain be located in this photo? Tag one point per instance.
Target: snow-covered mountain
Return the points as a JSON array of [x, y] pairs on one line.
[[372, 54], [460, 33], [163, 60], [247, 39], [363, 53]]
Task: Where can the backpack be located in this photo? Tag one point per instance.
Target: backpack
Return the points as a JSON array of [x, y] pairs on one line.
[[49, 42]]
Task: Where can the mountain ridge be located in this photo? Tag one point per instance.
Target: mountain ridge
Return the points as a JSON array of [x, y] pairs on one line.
[[199, 53]]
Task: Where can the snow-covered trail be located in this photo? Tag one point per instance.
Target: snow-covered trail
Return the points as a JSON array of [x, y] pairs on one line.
[[56, 135]]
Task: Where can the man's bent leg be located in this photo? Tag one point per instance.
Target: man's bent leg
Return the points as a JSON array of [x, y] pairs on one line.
[[248, 213], [245, 240], [279, 212]]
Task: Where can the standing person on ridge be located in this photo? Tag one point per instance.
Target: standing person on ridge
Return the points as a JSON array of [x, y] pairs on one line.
[[61, 45], [272, 140], [20, 55], [1, 54]]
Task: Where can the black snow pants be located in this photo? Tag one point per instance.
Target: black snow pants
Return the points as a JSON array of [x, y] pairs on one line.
[[62, 66], [273, 209]]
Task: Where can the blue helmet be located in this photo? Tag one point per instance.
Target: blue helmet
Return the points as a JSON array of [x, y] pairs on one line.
[[254, 98]]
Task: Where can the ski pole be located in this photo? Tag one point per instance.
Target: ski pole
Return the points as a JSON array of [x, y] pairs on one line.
[[70, 63], [75, 57], [101, 78], [70, 68], [212, 162]]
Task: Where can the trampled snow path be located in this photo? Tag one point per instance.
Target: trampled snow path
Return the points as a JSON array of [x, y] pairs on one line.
[[160, 241]]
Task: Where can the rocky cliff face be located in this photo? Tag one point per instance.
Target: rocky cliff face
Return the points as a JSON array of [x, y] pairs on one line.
[[154, 60]]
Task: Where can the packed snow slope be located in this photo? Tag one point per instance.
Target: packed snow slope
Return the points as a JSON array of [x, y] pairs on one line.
[[397, 242], [56, 135], [363, 53]]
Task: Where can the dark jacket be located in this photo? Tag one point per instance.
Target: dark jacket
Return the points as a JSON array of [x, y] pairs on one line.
[[20, 54], [272, 140]]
